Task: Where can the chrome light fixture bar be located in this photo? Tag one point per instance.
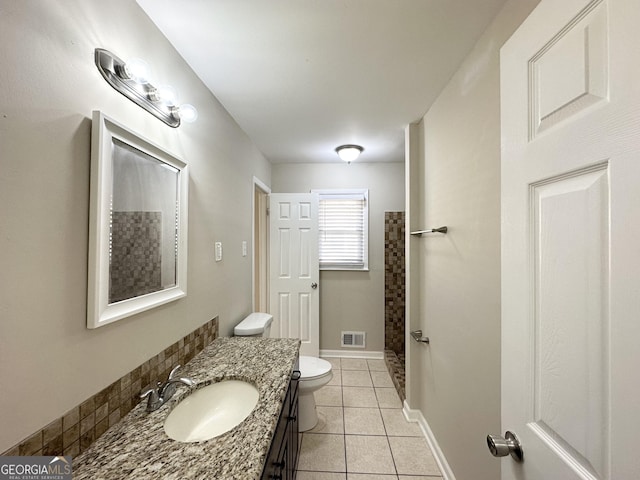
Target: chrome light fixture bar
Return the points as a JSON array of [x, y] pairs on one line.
[[149, 97]]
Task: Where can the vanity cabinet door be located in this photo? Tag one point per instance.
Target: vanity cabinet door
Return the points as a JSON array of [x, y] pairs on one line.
[[283, 454], [275, 467], [283, 465], [293, 433]]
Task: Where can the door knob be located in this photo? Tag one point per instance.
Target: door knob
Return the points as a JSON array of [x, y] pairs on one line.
[[501, 446], [314, 285]]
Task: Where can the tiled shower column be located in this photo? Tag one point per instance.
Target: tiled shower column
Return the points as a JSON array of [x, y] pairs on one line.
[[394, 293]]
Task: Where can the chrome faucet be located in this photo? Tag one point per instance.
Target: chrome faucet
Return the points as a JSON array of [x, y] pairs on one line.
[[156, 397]]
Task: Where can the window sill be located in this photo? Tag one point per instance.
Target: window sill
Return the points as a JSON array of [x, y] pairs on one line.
[[343, 269]]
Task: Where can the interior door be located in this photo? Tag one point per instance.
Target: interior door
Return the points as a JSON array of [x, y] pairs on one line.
[[294, 269], [570, 96]]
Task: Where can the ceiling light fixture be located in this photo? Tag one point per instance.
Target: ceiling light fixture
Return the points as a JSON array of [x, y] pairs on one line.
[[132, 80], [349, 153]]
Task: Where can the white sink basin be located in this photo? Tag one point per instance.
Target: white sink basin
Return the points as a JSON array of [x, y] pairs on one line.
[[211, 411]]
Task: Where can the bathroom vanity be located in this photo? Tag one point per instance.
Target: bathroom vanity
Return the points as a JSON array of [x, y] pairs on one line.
[[263, 446], [282, 460]]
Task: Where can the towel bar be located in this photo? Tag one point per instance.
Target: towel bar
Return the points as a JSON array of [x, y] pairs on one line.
[[433, 230], [417, 336]]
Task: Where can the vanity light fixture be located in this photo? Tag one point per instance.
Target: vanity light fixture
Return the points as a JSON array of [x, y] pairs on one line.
[[349, 153], [132, 80]]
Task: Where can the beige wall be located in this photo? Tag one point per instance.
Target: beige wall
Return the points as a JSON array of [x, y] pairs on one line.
[[49, 86], [455, 279], [352, 301]]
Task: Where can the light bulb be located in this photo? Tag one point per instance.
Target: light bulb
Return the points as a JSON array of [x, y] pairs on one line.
[[138, 70], [167, 95], [188, 113]]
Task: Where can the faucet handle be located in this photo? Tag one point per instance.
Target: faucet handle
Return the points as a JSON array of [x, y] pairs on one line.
[[151, 391], [173, 372], [153, 399]]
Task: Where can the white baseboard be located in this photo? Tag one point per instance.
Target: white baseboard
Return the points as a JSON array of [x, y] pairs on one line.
[[352, 354], [414, 415]]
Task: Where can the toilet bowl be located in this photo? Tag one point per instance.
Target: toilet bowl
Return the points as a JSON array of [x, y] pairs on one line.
[[315, 372]]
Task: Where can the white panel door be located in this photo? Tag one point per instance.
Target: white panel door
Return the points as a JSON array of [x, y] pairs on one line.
[[570, 96], [294, 269]]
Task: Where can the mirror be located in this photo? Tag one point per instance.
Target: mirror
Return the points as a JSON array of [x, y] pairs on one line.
[[138, 224]]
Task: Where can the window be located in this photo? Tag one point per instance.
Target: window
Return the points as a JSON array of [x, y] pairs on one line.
[[343, 229]]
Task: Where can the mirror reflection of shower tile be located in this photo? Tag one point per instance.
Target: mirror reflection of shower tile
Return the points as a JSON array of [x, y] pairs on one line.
[[135, 267]]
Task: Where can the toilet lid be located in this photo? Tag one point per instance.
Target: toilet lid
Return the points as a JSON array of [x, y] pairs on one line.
[[312, 367], [254, 324]]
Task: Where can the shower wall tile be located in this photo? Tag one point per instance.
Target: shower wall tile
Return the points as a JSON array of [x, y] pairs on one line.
[[77, 429], [394, 284], [394, 253], [395, 365]]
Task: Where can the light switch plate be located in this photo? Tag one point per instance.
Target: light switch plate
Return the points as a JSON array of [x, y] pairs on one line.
[[218, 251], [244, 248]]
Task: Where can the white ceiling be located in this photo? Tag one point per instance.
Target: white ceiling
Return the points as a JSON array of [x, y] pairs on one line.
[[304, 76]]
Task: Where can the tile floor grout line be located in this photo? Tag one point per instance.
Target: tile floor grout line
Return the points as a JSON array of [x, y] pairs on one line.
[[384, 425], [344, 427], [395, 475]]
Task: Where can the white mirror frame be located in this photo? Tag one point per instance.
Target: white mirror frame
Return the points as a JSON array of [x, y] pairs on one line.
[[99, 311]]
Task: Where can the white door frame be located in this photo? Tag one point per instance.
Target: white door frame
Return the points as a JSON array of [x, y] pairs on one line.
[[259, 248]]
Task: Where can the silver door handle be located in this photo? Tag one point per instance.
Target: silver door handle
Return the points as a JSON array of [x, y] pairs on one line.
[[501, 446], [314, 285]]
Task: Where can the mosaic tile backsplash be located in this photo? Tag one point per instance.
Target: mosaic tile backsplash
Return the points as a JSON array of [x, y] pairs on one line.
[[394, 281], [135, 268], [76, 430]]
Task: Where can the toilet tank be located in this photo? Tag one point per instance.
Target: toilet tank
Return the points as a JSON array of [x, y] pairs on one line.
[[256, 324]]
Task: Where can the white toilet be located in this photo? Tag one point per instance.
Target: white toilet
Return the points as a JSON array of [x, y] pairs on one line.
[[315, 373]]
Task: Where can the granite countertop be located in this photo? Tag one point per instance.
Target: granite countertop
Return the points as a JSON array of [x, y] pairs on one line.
[[137, 447]]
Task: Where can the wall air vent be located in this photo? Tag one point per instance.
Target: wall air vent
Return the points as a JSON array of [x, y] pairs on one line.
[[353, 339]]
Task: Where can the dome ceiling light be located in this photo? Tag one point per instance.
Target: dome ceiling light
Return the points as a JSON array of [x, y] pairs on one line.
[[349, 153]]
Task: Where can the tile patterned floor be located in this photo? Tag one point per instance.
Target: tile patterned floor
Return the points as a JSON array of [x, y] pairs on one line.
[[361, 432]]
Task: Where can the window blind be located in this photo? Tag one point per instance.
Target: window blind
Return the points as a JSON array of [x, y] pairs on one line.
[[342, 225]]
